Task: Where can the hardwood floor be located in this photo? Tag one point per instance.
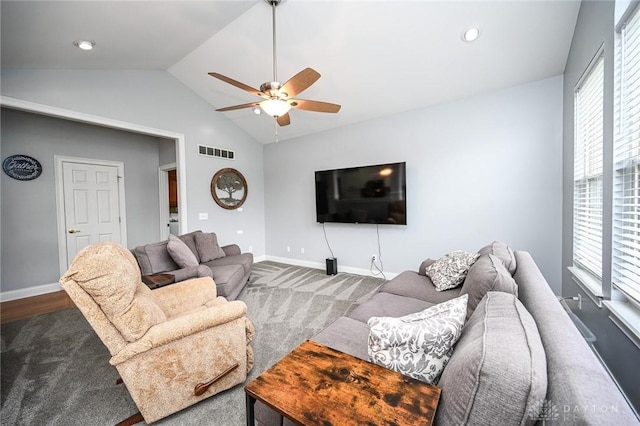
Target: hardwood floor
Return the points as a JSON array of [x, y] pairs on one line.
[[14, 310]]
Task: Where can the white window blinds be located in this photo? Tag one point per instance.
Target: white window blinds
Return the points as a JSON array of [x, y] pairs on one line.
[[588, 170], [626, 167]]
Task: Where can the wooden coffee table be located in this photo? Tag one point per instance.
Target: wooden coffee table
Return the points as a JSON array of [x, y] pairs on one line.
[[317, 385]]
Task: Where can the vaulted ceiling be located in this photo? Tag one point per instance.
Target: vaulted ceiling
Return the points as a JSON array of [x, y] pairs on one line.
[[376, 58]]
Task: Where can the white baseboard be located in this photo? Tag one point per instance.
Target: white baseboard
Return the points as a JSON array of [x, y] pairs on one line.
[[259, 258], [320, 265], [6, 296]]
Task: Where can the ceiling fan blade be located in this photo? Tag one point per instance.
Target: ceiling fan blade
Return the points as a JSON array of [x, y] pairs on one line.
[[236, 83], [316, 106], [300, 81], [284, 120], [231, 108]]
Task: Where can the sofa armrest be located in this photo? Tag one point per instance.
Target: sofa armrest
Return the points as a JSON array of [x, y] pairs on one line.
[[185, 295], [231, 250], [423, 265], [179, 327], [416, 286], [183, 274]]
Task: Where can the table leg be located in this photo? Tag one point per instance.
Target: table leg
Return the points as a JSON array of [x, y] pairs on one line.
[[251, 401]]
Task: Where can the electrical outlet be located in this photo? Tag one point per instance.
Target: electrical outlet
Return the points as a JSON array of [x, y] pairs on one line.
[[288, 249], [302, 250], [374, 257]]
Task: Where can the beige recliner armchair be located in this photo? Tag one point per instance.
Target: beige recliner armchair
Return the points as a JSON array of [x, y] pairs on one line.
[[173, 346]]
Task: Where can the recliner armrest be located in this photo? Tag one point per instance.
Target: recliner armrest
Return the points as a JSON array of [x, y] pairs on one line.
[[185, 295], [179, 327], [232, 250]]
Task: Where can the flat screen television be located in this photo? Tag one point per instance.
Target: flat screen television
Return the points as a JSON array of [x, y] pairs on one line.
[[367, 194]]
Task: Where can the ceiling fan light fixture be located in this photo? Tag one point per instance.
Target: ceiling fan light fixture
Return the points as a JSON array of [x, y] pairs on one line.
[[470, 34], [275, 107], [84, 44]]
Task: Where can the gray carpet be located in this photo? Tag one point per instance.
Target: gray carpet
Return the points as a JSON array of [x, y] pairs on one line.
[[55, 370]]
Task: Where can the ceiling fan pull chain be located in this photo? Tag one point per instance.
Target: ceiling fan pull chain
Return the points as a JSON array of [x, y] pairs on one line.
[[275, 124]]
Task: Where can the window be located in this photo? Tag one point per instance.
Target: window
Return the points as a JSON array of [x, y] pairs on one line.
[[626, 167], [588, 171]]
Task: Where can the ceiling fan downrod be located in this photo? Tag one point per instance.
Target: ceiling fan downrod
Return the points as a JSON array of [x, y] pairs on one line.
[[273, 4]]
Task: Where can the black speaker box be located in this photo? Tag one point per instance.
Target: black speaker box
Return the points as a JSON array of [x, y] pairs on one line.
[[332, 265]]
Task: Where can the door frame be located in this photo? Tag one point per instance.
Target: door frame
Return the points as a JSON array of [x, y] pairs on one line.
[[60, 204], [163, 197]]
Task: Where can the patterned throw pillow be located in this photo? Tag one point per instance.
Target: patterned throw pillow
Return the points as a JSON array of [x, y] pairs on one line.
[[418, 345], [450, 270]]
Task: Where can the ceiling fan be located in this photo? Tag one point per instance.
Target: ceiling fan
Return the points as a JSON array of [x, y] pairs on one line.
[[278, 98]]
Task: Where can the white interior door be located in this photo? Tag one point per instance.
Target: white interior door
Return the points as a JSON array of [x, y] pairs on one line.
[[91, 205]]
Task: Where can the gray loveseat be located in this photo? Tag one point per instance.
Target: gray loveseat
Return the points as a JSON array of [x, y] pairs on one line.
[[229, 268], [519, 359]]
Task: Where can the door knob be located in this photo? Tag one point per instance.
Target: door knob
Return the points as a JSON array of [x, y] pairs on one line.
[[73, 231]]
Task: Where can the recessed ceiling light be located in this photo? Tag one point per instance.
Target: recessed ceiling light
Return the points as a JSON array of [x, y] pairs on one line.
[[84, 44], [470, 34]]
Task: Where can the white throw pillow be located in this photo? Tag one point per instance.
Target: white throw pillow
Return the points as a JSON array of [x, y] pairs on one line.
[[450, 270], [418, 345], [181, 253]]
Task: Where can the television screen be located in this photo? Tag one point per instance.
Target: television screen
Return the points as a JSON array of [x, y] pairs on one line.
[[368, 194]]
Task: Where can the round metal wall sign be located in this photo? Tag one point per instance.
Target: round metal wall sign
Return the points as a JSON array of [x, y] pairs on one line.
[[22, 167], [229, 188]]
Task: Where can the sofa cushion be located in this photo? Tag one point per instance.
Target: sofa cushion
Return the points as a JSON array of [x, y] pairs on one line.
[[503, 252], [180, 253], [154, 258], [346, 335], [411, 284], [420, 344], [245, 260], [207, 246], [387, 305], [449, 271], [487, 274], [109, 273], [498, 372]]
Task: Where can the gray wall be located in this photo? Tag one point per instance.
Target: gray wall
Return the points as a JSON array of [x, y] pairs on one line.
[[167, 151], [595, 27], [158, 100], [29, 227], [479, 169]]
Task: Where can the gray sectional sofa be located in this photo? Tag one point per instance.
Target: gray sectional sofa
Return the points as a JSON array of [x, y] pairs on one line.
[[229, 268], [519, 360]]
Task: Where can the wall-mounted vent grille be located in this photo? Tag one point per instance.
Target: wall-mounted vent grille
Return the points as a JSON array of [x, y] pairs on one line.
[[212, 151]]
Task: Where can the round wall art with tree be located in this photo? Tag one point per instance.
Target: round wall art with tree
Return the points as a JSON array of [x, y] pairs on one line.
[[229, 188]]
